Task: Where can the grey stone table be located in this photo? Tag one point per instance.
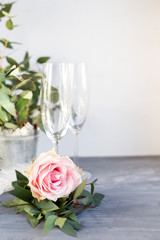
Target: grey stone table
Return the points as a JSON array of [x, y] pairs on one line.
[[130, 210]]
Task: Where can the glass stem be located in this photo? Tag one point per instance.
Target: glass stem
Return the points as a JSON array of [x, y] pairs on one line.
[[76, 161], [57, 146]]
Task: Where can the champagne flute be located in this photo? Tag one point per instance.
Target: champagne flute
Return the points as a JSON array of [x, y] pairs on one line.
[[80, 101], [56, 99]]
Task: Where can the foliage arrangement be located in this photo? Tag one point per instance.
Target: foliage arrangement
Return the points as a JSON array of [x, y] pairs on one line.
[[19, 84], [61, 213]]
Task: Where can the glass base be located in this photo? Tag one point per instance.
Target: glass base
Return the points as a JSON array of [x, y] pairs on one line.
[[86, 174]]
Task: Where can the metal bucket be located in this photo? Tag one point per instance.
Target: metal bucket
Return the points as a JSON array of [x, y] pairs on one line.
[[17, 150]]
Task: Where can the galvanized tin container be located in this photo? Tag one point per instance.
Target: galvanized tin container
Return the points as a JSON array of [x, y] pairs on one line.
[[15, 150]]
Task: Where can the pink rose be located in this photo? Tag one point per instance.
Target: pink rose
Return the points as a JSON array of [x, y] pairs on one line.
[[53, 177]]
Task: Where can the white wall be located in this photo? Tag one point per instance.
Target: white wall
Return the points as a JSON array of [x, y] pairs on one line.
[[120, 42]]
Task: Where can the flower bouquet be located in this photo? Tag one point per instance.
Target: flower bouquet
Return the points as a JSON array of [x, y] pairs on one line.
[[53, 191]]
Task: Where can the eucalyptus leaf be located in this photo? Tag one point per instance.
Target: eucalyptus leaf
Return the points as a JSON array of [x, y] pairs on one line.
[[9, 24], [11, 61], [26, 61], [26, 94], [21, 104], [3, 115], [54, 95], [7, 7], [2, 76], [27, 84], [14, 98], [43, 59], [6, 14], [22, 116], [10, 125], [6, 43], [6, 103]]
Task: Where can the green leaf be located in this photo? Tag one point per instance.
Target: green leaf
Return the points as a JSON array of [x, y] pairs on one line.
[[22, 116], [3, 115], [49, 223], [20, 183], [6, 103], [14, 74], [74, 224], [6, 43], [22, 193], [26, 61], [14, 98], [43, 59], [26, 94], [35, 210], [54, 95], [9, 24], [66, 212], [26, 85], [60, 222], [15, 201], [32, 220], [6, 14], [36, 93], [36, 120], [46, 205], [31, 210], [7, 7], [20, 209], [10, 125], [95, 181], [47, 213], [97, 199], [87, 200], [20, 176], [2, 77], [92, 188], [21, 104], [68, 229], [11, 61], [79, 190], [5, 90], [11, 70], [73, 217], [85, 193]]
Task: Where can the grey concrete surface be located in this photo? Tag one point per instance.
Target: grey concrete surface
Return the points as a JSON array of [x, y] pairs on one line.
[[130, 210]]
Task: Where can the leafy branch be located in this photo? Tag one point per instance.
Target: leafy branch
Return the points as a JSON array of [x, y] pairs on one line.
[[62, 213], [19, 83]]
